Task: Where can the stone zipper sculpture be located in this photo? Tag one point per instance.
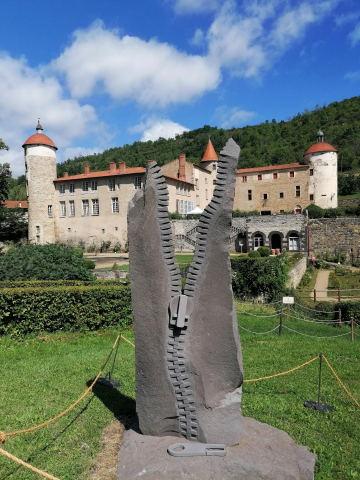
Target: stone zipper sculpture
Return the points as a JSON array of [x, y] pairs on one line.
[[188, 354]]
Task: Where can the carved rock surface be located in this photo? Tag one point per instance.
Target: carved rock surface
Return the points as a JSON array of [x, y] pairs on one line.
[[188, 354], [264, 453]]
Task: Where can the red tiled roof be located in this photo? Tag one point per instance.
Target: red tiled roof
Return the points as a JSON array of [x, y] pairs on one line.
[[105, 173], [270, 168], [210, 154], [40, 139], [178, 179], [15, 203], [320, 147]]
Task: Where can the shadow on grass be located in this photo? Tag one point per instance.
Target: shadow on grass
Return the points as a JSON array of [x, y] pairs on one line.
[[115, 401]]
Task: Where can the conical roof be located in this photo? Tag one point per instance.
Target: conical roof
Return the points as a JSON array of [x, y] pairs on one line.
[[210, 154]]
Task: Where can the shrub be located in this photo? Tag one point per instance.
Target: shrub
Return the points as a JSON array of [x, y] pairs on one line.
[[264, 251], [314, 211], [175, 216], [334, 282], [89, 264], [34, 310], [79, 252], [334, 212], [254, 254], [305, 281], [265, 276], [43, 262]]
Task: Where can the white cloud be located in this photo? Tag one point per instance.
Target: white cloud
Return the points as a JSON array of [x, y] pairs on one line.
[[26, 94], [154, 128], [355, 35], [341, 20], [72, 152], [127, 68], [195, 6], [230, 117], [198, 38], [354, 76]]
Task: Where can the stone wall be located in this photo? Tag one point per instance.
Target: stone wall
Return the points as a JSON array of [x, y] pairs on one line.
[[349, 202], [296, 273], [335, 235], [110, 274], [274, 229]]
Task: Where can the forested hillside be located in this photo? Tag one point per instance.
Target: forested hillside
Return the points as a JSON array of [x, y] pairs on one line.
[[269, 143]]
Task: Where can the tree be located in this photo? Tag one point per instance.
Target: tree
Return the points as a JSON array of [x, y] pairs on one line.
[[3, 146], [13, 224], [5, 174]]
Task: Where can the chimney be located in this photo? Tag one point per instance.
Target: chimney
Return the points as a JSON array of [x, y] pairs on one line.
[[122, 167], [182, 161], [87, 169], [149, 161], [112, 167], [65, 174]]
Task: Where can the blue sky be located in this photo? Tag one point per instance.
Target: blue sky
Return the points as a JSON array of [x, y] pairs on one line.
[[105, 73]]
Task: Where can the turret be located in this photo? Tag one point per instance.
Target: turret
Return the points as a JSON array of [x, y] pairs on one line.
[[40, 172], [322, 160]]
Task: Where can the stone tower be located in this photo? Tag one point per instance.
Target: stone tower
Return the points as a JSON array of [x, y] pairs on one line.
[[40, 172], [323, 173]]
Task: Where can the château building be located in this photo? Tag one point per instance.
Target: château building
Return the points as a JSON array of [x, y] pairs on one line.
[[91, 207]]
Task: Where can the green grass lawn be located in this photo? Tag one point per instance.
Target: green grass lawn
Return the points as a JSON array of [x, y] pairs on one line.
[[305, 291], [345, 197], [42, 376], [349, 284]]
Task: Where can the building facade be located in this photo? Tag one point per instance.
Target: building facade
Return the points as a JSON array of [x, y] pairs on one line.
[[91, 208]]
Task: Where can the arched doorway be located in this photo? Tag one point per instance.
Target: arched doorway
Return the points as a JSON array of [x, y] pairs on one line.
[[241, 243], [258, 241], [298, 209], [276, 241]]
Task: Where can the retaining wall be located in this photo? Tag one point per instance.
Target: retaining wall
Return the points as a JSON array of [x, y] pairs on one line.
[[335, 235], [297, 273], [110, 274]]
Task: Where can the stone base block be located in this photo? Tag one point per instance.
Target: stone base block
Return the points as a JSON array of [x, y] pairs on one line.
[[264, 453]]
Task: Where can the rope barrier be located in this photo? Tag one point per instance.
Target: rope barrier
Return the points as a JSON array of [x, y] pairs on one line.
[[3, 435], [259, 333], [27, 465], [282, 373], [320, 322], [315, 311], [338, 379], [259, 316], [314, 336], [128, 341]]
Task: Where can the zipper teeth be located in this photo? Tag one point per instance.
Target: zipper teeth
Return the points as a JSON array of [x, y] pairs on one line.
[[204, 225]]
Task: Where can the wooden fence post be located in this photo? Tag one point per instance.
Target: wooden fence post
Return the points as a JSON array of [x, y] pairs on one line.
[[280, 326], [314, 295], [339, 318], [339, 294], [352, 329], [287, 312]]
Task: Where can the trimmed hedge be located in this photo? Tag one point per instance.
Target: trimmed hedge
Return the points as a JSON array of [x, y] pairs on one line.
[[263, 276], [348, 309], [65, 308], [55, 283]]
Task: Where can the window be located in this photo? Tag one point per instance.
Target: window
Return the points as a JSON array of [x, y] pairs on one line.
[[71, 189], [61, 189], [177, 189], [282, 211], [95, 206], [294, 242], [244, 179], [311, 197], [297, 189], [137, 182], [93, 186], [214, 166], [103, 230], [249, 195], [258, 241], [292, 174], [205, 180], [84, 188], [37, 238], [116, 229], [311, 172], [214, 182], [181, 189], [72, 208], [85, 208], [111, 185], [197, 200], [37, 229], [206, 194], [281, 194], [50, 213], [265, 212], [185, 206], [259, 177], [115, 205], [265, 196], [188, 191], [62, 209], [275, 176], [197, 183], [69, 229]]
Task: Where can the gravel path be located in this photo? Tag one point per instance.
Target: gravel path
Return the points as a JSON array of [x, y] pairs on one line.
[[321, 285]]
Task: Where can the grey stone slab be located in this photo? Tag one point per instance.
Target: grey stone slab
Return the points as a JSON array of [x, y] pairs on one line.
[[264, 453]]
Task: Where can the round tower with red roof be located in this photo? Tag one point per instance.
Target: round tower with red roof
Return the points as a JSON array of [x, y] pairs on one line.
[[40, 172], [210, 162], [323, 173]]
